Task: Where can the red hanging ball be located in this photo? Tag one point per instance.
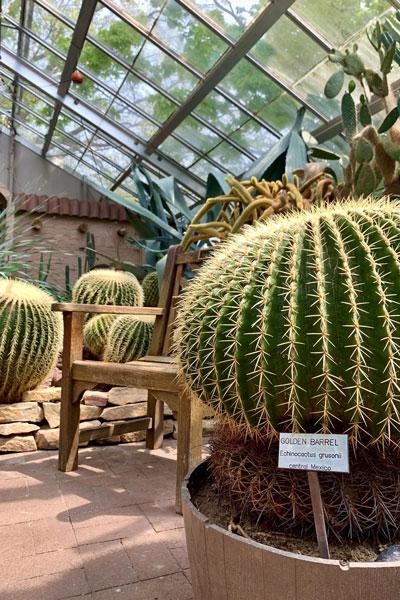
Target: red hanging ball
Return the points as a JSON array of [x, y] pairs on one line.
[[77, 77]]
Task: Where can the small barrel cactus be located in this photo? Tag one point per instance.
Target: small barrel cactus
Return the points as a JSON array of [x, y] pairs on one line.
[[96, 332], [294, 325], [30, 337], [128, 339], [106, 286], [150, 289]]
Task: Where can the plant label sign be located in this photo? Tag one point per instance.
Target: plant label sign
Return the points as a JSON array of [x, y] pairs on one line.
[[314, 452]]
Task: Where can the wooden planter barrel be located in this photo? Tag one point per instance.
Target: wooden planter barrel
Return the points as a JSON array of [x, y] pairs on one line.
[[225, 566]]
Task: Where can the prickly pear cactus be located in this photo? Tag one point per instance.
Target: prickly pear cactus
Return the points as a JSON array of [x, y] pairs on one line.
[[294, 324], [106, 286], [96, 332], [30, 337], [128, 339], [150, 289]]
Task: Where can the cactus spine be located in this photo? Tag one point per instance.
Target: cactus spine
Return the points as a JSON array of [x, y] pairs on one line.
[[150, 289], [96, 332], [294, 324], [30, 336], [128, 339], [106, 286]]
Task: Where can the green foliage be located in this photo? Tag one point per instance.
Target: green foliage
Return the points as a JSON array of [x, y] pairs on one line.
[[96, 332], [109, 287], [30, 337], [150, 289], [292, 325], [128, 339]]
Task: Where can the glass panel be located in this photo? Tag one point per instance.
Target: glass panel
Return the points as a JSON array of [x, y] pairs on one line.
[[50, 29], [126, 116], [90, 173], [287, 50], [33, 138], [179, 152], [9, 37], [44, 59], [246, 83], [101, 65], [221, 113], [233, 160], [43, 108], [100, 165], [189, 37], [197, 134], [107, 150], [35, 122], [70, 145], [144, 11], [143, 96], [340, 19], [281, 114], [233, 17], [68, 8], [203, 168], [94, 94], [59, 158], [164, 71], [114, 33], [254, 138]]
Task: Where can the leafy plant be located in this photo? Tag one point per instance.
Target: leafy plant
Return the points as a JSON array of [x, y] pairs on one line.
[[292, 326], [374, 151]]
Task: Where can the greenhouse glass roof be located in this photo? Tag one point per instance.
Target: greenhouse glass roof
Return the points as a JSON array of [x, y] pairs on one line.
[[186, 87]]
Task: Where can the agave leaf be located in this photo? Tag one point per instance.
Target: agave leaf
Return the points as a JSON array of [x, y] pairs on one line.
[[174, 197], [334, 84], [389, 120], [319, 152], [296, 156]]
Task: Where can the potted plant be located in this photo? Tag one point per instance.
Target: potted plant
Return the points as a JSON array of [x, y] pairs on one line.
[[292, 326]]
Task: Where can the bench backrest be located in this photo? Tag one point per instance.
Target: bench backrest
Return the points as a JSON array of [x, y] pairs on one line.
[[172, 285]]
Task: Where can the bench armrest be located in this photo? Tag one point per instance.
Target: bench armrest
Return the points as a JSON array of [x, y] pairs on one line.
[[71, 307]]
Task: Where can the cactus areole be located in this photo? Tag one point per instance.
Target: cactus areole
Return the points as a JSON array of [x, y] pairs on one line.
[[294, 325]]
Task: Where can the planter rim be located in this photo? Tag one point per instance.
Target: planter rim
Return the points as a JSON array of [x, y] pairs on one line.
[[344, 565]]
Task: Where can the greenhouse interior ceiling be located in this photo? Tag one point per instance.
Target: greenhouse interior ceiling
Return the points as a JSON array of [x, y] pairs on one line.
[[186, 88]]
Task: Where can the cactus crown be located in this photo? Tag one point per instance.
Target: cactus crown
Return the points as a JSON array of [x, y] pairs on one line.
[[106, 286], [30, 336], [96, 332], [294, 324], [150, 289], [129, 338]]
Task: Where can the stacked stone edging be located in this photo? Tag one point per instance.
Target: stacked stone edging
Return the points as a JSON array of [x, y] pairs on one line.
[[33, 423]]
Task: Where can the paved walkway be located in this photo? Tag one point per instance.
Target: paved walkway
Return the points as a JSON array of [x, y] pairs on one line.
[[107, 531]]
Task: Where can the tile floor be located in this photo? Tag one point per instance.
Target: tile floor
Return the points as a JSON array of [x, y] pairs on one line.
[[108, 530]]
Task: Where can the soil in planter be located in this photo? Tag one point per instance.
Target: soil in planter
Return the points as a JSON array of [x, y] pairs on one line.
[[206, 500]]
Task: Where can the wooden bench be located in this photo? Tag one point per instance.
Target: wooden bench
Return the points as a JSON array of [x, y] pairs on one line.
[[156, 373]]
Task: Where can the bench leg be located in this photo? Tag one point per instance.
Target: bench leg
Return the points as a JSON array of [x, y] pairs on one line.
[[69, 430], [155, 435], [190, 440]]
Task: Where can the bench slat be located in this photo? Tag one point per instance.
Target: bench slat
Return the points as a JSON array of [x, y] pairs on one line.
[[117, 428], [106, 309], [151, 376]]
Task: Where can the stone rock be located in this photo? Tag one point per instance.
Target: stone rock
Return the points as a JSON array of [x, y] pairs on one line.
[[120, 396], [21, 411], [47, 439], [116, 439], [129, 411], [52, 413], [56, 377], [49, 394], [95, 398], [18, 443], [17, 428], [140, 436]]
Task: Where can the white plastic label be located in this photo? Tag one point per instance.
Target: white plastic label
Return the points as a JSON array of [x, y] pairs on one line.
[[314, 452]]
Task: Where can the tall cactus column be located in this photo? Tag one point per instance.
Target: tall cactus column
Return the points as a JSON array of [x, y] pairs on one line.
[[294, 324]]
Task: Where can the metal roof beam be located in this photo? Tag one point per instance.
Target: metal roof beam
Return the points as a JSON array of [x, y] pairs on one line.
[[78, 39], [261, 24], [103, 123]]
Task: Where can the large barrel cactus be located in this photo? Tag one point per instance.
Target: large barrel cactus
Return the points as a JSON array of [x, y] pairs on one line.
[[30, 337], [106, 286], [150, 289], [294, 325], [129, 338], [96, 332]]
